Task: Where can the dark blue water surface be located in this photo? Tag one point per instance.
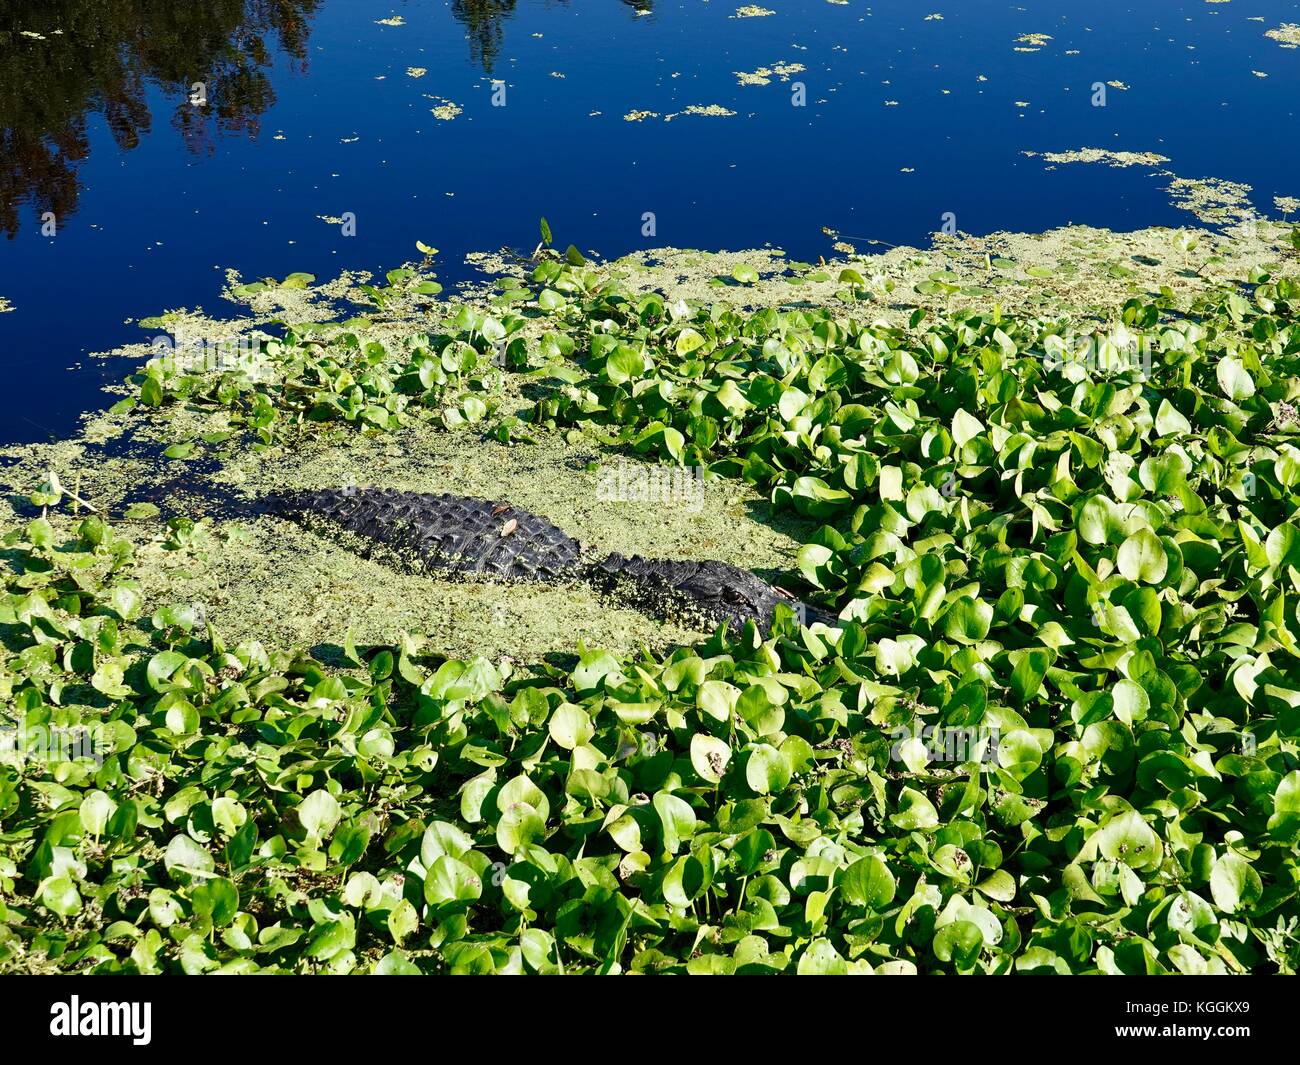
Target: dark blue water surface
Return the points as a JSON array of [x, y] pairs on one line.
[[311, 112]]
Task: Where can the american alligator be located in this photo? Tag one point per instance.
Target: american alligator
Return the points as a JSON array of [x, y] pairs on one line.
[[455, 534]]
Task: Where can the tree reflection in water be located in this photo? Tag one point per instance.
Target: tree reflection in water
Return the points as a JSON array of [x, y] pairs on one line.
[[62, 61], [483, 21]]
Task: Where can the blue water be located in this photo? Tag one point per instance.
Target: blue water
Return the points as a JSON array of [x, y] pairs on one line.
[[323, 119]]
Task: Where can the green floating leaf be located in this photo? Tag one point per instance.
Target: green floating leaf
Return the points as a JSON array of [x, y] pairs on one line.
[[1142, 558], [450, 880], [868, 882], [768, 770], [968, 620], [1234, 883]]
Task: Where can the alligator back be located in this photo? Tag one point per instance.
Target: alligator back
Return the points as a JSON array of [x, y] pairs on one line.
[[425, 531]]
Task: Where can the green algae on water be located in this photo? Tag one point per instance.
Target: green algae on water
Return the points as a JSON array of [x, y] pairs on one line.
[[1287, 35], [1103, 155]]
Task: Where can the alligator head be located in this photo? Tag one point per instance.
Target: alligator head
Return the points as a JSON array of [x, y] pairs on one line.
[[729, 593], [717, 591]]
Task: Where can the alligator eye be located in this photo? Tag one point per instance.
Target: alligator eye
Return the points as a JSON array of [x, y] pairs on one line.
[[731, 595]]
